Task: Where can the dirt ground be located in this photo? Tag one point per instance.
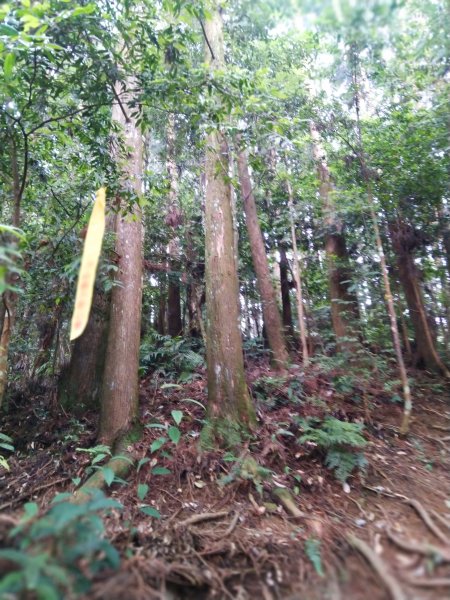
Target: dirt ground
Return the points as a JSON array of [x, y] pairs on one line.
[[385, 535]]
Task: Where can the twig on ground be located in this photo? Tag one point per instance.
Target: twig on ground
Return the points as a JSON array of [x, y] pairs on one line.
[[446, 415], [232, 525], [428, 583], [34, 491], [379, 567], [440, 428], [428, 520], [385, 492], [418, 548], [203, 517]]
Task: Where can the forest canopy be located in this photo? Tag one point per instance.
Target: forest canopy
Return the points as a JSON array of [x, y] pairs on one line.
[[274, 277]]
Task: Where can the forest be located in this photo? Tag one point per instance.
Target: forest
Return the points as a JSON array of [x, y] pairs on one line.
[[225, 299]]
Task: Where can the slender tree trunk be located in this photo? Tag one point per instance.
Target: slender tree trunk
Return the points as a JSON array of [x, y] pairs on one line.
[[403, 243], [271, 313], [173, 220], [298, 281], [444, 218], [344, 302], [119, 398], [195, 291], [255, 315], [229, 404], [392, 317], [2, 310], [9, 299], [407, 406], [286, 295]]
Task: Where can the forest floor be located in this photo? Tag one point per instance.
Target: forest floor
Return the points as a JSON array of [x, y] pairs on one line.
[[223, 533]]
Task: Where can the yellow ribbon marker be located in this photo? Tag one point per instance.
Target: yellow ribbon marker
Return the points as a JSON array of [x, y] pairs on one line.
[[88, 268]]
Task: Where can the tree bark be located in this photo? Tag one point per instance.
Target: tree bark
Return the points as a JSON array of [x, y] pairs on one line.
[[298, 281], [344, 302], [271, 313], [407, 409], [173, 220], [229, 404], [285, 287], [119, 397], [404, 241], [81, 382], [9, 299]]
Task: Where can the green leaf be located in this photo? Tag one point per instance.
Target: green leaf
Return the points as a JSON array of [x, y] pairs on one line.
[[174, 434], [8, 30], [157, 444], [151, 512], [177, 416], [31, 509], [167, 386], [312, 549], [98, 458], [108, 475], [7, 447], [8, 65], [161, 471], [83, 10], [142, 490], [192, 401], [141, 463]]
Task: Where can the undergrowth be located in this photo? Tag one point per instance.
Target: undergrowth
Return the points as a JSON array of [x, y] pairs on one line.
[[340, 440], [175, 359], [55, 555]]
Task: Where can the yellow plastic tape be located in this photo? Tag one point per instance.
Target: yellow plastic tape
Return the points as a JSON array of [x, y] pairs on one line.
[[88, 268]]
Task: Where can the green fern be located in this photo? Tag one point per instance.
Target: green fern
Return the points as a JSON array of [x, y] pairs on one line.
[[312, 550], [332, 432], [344, 462], [338, 438]]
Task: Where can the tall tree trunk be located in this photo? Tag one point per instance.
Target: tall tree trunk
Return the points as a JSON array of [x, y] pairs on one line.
[[173, 220], [271, 313], [444, 218], [298, 281], [404, 428], [81, 381], [195, 288], [404, 241], [119, 398], [366, 175], [229, 404], [344, 303], [286, 295], [9, 299]]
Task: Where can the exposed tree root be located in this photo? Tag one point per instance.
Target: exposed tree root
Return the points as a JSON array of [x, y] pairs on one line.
[[120, 465], [284, 496], [428, 520], [442, 519], [416, 547], [392, 585], [8, 520], [203, 517], [232, 526], [444, 414]]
